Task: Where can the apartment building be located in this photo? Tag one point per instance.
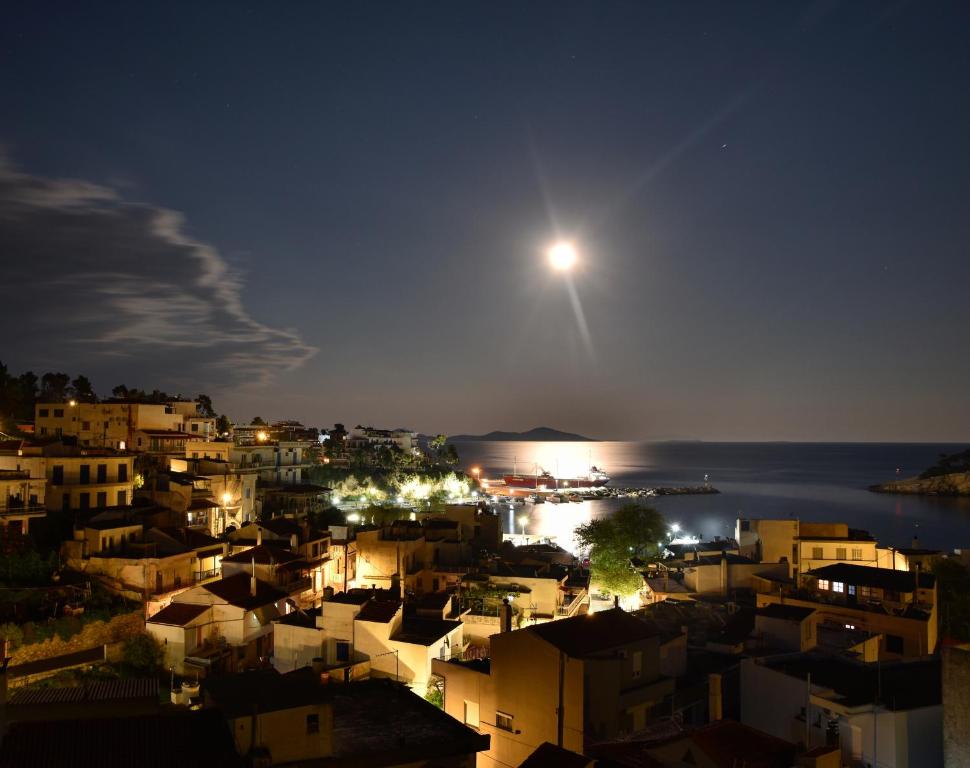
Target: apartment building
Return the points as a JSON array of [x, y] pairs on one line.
[[572, 683], [121, 424], [21, 500], [74, 477]]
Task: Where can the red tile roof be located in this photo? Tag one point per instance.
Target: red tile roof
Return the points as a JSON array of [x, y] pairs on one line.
[[178, 614]]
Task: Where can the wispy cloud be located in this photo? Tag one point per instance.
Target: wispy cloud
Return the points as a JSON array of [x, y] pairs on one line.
[[122, 278]]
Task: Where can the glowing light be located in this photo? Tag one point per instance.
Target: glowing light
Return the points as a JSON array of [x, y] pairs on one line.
[[226, 497], [353, 517], [562, 256], [261, 436], [675, 527]]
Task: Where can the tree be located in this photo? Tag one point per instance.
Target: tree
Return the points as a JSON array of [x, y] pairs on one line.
[[83, 391], [223, 425], [632, 531], [142, 653], [258, 422], [205, 407], [55, 387], [121, 392]]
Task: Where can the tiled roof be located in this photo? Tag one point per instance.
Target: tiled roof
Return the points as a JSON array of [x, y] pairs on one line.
[[581, 636], [262, 690], [178, 614], [179, 738], [263, 554], [235, 591], [103, 690]]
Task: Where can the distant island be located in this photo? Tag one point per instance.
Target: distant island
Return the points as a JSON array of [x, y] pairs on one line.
[[539, 434], [950, 476]]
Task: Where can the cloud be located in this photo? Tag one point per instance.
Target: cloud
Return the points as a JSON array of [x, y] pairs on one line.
[[87, 274]]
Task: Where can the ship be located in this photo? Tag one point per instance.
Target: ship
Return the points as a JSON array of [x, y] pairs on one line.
[[546, 481]]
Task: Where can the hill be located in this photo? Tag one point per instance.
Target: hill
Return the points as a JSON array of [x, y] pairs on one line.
[[538, 434]]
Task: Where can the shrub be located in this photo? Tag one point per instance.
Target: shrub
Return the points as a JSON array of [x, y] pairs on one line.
[[142, 653]]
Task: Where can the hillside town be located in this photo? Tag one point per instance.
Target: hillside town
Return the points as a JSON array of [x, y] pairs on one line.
[[170, 573]]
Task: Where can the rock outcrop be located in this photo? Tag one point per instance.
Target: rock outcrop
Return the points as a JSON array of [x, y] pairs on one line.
[[954, 484]]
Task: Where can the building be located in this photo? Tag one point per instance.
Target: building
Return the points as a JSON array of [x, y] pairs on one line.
[[705, 575], [74, 478], [887, 714], [21, 500], [370, 438], [233, 631], [273, 463], [572, 683], [900, 606], [296, 719], [125, 425], [804, 545]]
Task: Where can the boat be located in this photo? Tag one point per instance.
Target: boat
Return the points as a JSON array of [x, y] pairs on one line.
[[546, 481]]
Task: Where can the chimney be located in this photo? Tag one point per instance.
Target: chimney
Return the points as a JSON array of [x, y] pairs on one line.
[[616, 601], [252, 580], [505, 616]]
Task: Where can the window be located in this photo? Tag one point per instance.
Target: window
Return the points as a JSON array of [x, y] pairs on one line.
[[838, 586], [471, 713], [894, 644], [503, 721], [122, 473], [856, 554], [312, 724], [122, 498], [44, 413], [816, 553], [745, 525], [637, 664], [58, 413], [865, 593], [66, 502], [86, 425], [852, 589], [102, 499], [195, 427], [343, 651], [840, 553], [823, 583], [85, 499], [102, 473], [57, 475], [248, 493], [85, 474]]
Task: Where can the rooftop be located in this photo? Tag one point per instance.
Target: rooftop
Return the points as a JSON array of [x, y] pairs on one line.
[[593, 633], [548, 755], [895, 685], [235, 591], [421, 631], [261, 690], [178, 614], [184, 738], [103, 690], [882, 578], [380, 611], [263, 554], [786, 612]]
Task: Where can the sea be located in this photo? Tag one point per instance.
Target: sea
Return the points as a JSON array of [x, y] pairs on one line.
[[809, 481]]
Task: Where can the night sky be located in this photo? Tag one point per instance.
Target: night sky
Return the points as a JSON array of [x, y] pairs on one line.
[[338, 212]]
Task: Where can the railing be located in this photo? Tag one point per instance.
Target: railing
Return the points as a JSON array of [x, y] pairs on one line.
[[208, 574]]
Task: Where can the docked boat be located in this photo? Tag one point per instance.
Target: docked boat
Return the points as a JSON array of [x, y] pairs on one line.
[[546, 481]]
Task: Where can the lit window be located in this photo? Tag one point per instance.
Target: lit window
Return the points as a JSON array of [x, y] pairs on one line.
[[838, 586], [503, 721], [823, 583], [852, 589], [856, 554], [850, 626]]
